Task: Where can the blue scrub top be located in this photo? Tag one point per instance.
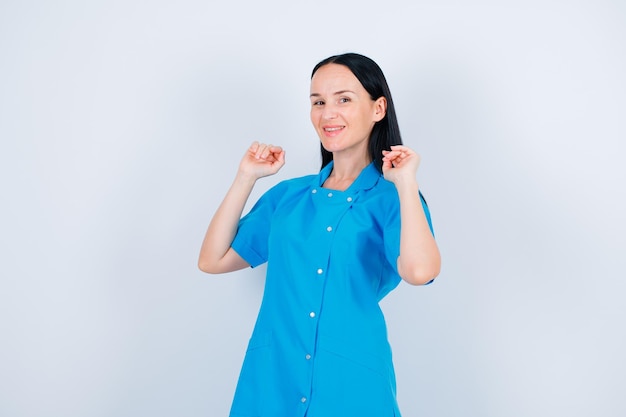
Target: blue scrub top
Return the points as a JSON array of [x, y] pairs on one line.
[[319, 346]]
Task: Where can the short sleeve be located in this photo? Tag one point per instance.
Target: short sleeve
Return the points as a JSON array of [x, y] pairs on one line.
[[427, 213], [251, 240]]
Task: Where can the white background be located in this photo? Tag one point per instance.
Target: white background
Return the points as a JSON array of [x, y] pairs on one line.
[[121, 126]]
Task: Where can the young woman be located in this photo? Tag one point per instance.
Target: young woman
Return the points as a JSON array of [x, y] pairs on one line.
[[335, 244]]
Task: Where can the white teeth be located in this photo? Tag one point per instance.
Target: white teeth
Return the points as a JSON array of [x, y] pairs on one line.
[[332, 129]]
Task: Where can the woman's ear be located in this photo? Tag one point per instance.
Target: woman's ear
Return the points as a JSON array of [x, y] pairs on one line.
[[380, 109]]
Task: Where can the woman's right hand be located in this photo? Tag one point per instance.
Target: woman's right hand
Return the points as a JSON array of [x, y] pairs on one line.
[[262, 160]]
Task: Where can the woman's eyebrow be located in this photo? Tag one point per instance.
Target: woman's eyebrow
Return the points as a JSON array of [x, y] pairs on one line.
[[344, 92], [335, 94]]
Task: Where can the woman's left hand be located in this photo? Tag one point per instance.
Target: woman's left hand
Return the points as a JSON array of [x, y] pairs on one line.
[[400, 164]]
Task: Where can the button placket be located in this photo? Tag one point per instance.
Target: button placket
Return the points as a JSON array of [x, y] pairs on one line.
[[332, 206]]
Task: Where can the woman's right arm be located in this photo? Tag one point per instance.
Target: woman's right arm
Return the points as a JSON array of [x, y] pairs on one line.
[[216, 254]]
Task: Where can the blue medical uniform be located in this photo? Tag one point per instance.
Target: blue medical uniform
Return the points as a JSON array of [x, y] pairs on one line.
[[319, 346]]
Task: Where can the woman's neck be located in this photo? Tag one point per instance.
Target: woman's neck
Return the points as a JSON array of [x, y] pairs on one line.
[[345, 171]]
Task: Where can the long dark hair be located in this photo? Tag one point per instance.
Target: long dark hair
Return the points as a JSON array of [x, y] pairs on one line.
[[386, 132]]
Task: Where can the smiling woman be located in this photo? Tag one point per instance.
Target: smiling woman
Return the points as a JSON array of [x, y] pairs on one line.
[[335, 244], [342, 111]]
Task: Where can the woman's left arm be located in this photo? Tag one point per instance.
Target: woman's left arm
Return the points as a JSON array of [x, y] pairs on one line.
[[419, 261]]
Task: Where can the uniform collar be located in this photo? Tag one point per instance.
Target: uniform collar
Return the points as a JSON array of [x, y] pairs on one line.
[[367, 179]]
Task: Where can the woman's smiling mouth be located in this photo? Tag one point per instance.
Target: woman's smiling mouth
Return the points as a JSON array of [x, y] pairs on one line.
[[332, 130]]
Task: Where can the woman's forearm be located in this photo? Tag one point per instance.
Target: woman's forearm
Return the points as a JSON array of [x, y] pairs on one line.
[[419, 261], [216, 255]]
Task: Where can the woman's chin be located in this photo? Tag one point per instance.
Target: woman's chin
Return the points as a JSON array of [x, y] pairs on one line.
[[331, 146]]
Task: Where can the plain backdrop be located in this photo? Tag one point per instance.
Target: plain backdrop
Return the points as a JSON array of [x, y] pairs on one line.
[[121, 127]]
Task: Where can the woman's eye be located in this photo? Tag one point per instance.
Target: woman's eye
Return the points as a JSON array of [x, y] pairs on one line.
[[318, 103], [344, 100]]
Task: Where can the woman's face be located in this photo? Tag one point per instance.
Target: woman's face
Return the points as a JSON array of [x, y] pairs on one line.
[[342, 111]]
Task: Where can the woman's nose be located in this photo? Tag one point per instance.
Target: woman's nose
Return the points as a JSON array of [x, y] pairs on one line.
[[330, 113]]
